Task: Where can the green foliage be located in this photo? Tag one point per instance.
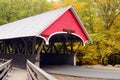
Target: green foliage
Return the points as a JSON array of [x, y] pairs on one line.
[[104, 44], [12, 10], [108, 11]]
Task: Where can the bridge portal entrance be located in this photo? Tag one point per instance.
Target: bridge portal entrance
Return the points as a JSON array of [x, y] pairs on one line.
[[61, 50]]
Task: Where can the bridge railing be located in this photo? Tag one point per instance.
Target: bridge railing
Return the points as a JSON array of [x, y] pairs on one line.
[[4, 69], [3, 60], [35, 73]]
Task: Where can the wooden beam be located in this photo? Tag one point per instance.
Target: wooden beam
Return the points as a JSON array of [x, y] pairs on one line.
[[66, 38], [4, 47], [76, 52], [44, 49], [71, 45], [68, 31], [61, 47], [51, 48], [55, 48], [59, 39], [33, 45], [37, 58]]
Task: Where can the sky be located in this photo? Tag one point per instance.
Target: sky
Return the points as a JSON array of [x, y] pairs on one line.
[[51, 0]]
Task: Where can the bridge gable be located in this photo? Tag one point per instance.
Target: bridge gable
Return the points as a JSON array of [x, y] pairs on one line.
[[67, 22]]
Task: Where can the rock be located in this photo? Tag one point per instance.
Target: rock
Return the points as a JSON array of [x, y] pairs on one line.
[[117, 66], [109, 66]]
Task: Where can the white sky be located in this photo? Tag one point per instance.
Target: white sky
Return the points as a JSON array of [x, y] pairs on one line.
[[51, 0]]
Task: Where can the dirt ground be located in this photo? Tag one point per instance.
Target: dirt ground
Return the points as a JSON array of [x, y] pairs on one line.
[[21, 74], [108, 67], [62, 77], [17, 74]]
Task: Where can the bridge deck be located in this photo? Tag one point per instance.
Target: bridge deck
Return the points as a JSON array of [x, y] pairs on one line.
[[17, 74]]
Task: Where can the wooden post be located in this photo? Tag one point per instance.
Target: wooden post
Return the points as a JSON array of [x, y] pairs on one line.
[[33, 45], [64, 47], [37, 58], [71, 44], [75, 55], [75, 59], [4, 47]]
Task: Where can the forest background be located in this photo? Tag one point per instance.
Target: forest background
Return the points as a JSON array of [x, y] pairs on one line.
[[101, 18]]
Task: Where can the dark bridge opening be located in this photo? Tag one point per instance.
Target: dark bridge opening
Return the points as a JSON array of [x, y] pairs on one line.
[[19, 49], [60, 50]]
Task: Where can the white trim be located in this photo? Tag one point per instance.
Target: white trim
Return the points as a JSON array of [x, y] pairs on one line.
[[43, 39], [47, 41], [80, 38], [66, 33], [55, 34], [81, 24]]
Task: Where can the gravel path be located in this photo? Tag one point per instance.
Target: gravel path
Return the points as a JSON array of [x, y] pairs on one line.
[[63, 77], [78, 71], [17, 74], [72, 73]]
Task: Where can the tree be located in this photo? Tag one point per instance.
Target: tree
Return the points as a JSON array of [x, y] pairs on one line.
[[109, 10], [3, 12], [12, 10]]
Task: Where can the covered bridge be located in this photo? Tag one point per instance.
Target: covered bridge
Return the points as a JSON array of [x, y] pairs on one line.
[[25, 38]]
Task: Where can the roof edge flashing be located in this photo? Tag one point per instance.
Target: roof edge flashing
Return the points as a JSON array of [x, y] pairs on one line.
[[66, 33], [81, 24]]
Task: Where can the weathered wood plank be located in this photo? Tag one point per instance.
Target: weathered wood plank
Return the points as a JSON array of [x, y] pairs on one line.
[[37, 58], [28, 76], [37, 73], [31, 73], [4, 68]]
